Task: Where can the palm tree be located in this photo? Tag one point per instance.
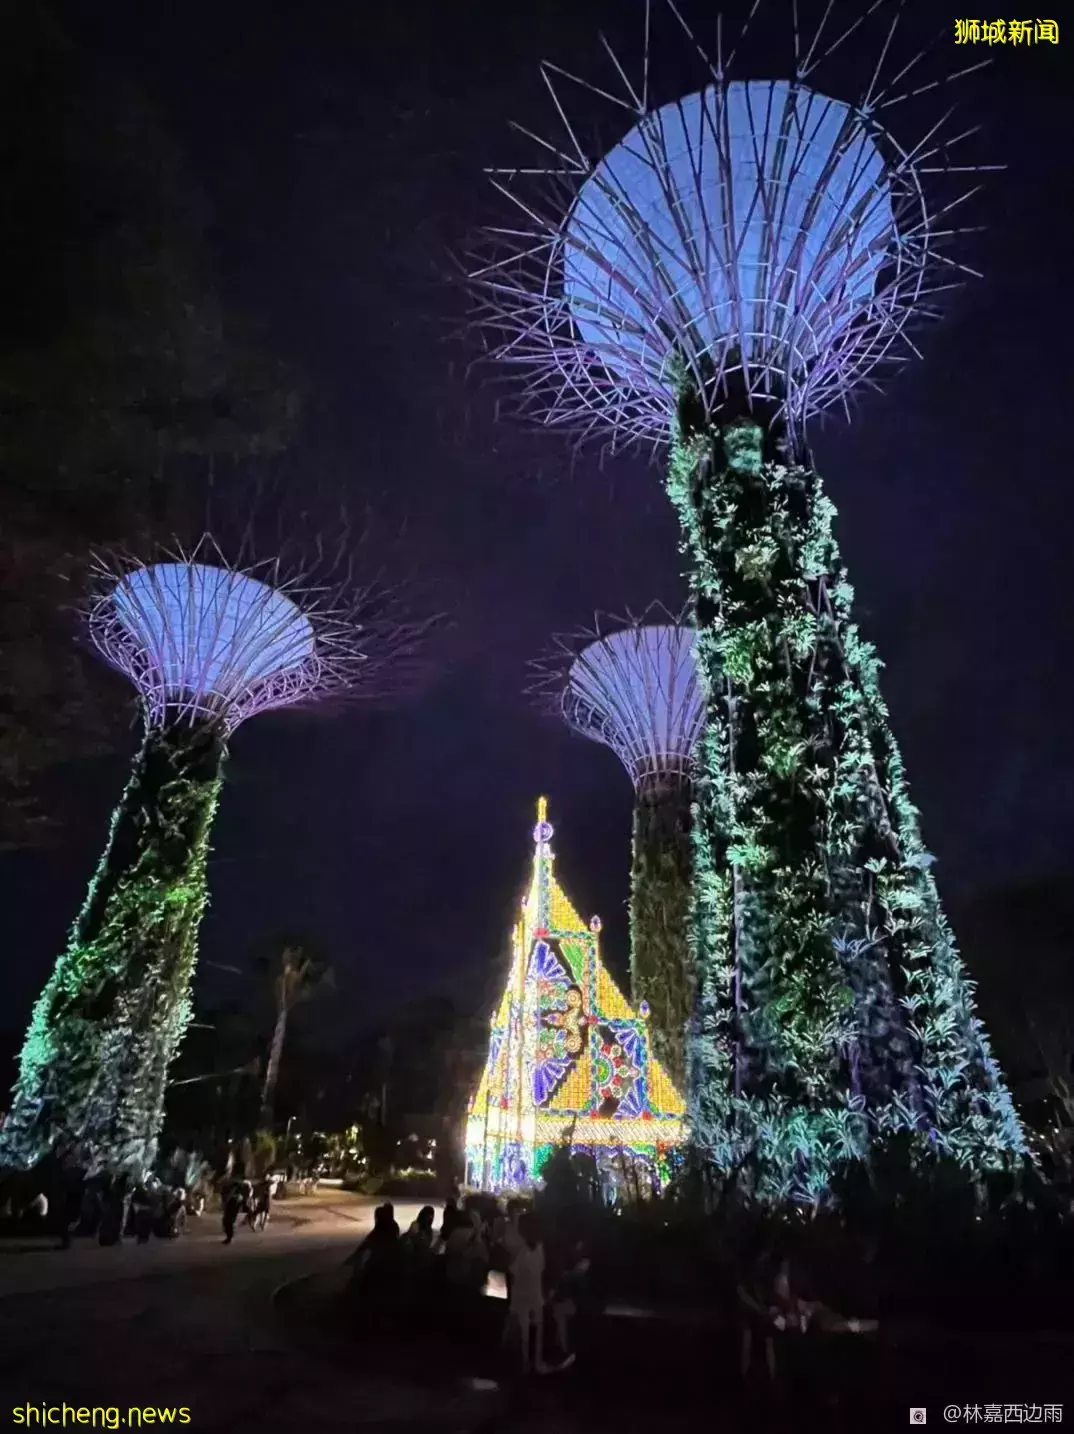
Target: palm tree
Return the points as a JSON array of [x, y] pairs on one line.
[[297, 978]]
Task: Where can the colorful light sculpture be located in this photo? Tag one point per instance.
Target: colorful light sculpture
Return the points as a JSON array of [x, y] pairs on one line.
[[636, 690], [569, 1059], [742, 258], [206, 645]]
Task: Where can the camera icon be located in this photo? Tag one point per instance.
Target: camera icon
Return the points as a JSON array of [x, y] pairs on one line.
[[917, 1416]]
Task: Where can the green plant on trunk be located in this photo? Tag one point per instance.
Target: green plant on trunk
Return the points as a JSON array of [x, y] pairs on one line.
[[661, 969], [832, 1004], [109, 1022]]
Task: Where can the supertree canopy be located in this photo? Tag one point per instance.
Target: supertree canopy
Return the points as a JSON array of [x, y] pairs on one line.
[[742, 258], [635, 689], [206, 644]]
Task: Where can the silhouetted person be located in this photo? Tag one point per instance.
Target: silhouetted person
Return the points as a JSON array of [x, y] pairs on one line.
[[44, 1212], [377, 1259], [161, 1198], [176, 1213], [142, 1215], [115, 1203], [89, 1217], [418, 1245], [422, 1233], [768, 1306], [453, 1217], [511, 1241], [262, 1203], [466, 1256], [387, 1213], [569, 1290], [74, 1187], [526, 1310], [232, 1209]]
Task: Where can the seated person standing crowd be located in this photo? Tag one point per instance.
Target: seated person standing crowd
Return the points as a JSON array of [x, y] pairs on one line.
[[472, 1241]]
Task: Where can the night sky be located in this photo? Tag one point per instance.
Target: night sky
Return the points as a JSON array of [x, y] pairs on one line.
[[341, 146]]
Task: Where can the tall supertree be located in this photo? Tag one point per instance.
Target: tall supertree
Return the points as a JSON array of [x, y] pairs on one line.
[[635, 688], [207, 644], [742, 258]]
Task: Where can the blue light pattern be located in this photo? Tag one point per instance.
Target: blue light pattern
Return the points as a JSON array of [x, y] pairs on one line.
[[757, 217], [205, 641], [637, 691]]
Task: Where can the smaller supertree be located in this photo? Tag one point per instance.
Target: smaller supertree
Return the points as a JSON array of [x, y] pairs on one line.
[[207, 644], [634, 688]]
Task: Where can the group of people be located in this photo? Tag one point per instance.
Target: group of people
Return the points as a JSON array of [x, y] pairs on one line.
[[107, 1208], [542, 1287], [156, 1210], [110, 1207], [252, 1201], [539, 1286], [772, 1307]]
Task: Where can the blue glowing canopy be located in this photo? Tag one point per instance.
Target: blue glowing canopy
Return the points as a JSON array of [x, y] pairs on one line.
[[196, 631], [754, 219], [637, 691]]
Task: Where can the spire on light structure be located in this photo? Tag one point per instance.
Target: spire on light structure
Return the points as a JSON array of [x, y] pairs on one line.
[[543, 832]]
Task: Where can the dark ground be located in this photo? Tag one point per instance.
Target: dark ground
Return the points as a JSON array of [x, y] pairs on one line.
[[190, 1323], [646, 1372], [264, 1336]]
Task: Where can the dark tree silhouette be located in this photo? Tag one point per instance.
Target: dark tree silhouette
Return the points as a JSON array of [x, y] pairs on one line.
[[1019, 940], [297, 977], [121, 372]]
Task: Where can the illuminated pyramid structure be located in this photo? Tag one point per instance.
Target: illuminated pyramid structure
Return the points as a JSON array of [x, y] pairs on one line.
[[569, 1059]]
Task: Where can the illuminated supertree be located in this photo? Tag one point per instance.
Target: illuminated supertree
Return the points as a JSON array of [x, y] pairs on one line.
[[635, 689], [207, 644], [743, 257]]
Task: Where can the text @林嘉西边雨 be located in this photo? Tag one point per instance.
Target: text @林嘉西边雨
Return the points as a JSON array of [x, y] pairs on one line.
[[97, 1416]]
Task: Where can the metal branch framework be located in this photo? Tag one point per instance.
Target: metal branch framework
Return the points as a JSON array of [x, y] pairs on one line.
[[754, 237], [203, 640], [632, 686]]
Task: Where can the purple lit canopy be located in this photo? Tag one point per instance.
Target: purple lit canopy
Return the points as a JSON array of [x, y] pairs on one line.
[[205, 641], [754, 235], [765, 221], [635, 690]]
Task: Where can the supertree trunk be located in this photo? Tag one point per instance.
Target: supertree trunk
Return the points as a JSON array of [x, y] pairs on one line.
[[833, 1006], [660, 958], [108, 1024]]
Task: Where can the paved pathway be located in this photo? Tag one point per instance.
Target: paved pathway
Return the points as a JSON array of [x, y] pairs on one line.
[[190, 1323], [31, 1265]]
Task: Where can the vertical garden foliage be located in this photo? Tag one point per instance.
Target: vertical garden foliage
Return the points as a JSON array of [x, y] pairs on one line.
[[661, 961], [94, 1065], [832, 1004]]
